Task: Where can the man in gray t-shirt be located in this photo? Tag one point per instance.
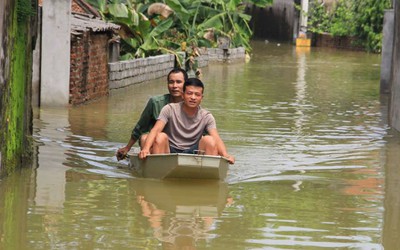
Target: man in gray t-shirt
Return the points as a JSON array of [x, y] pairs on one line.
[[184, 131], [180, 127]]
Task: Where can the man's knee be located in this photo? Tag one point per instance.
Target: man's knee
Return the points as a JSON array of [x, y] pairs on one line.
[[161, 139], [208, 141]]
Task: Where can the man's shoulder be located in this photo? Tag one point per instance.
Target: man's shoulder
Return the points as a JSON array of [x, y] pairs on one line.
[[160, 98], [204, 111], [173, 105]]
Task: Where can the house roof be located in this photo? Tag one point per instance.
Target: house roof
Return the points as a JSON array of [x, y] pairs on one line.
[[84, 17], [81, 6], [84, 22]]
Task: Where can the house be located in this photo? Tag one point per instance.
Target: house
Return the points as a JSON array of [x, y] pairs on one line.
[[92, 42], [91, 46]]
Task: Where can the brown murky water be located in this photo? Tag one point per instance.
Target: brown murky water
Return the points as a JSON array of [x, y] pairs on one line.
[[317, 165]]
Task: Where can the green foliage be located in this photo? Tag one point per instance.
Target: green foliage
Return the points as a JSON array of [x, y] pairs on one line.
[[196, 23], [25, 9], [362, 19], [342, 19], [318, 18], [369, 18]]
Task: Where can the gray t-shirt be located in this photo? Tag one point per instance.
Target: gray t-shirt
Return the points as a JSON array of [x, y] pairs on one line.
[[184, 131]]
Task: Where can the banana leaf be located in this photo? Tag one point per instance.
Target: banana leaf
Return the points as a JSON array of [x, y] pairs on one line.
[[118, 10]]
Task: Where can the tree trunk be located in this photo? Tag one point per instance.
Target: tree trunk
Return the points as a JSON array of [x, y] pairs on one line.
[[17, 27]]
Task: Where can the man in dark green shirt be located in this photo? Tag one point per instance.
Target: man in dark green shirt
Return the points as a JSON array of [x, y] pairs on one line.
[[176, 78]]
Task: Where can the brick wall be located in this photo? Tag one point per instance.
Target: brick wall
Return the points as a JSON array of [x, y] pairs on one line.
[[89, 67]]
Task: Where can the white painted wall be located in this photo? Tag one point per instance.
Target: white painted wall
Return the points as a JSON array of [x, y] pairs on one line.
[[55, 66]]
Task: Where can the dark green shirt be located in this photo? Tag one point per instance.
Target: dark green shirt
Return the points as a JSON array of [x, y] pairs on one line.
[[149, 115]]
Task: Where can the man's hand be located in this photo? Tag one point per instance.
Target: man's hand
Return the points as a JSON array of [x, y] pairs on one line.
[[143, 154], [121, 153], [230, 159]]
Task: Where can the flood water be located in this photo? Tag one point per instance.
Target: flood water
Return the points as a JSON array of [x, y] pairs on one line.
[[317, 166]]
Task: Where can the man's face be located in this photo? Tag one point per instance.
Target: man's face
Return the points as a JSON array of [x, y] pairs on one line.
[[175, 84], [192, 96]]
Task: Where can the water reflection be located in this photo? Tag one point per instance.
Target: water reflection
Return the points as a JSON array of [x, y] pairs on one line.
[[391, 223], [50, 176], [317, 166], [301, 88], [181, 213], [16, 198]]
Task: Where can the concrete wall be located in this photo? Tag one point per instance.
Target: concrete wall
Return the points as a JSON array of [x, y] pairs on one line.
[[226, 56], [16, 41], [394, 117], [125, 73], [4, 59], [55, 66], [36, 64], [387, 50]]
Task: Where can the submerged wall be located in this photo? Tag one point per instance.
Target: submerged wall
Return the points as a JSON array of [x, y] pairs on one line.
[[387, 51], [125, 73], [17, 26], [394, 117], [338, 42]]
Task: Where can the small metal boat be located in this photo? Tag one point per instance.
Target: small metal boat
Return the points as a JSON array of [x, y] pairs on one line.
[[189, 166]]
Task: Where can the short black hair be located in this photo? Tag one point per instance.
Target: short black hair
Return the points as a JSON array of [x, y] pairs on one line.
[[178, 70], [193, 82]]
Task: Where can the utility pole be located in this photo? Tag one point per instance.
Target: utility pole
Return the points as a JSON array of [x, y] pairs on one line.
[[303, 18], [302, 40]]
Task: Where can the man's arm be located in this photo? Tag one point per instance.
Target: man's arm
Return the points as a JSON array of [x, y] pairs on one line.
[[158, 128], [221, 145], [142, 126], [146, 120], [121, 153]]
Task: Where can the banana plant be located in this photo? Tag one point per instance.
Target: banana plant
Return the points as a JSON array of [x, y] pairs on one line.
[[140, 36], [196, 23], [223, 17]]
